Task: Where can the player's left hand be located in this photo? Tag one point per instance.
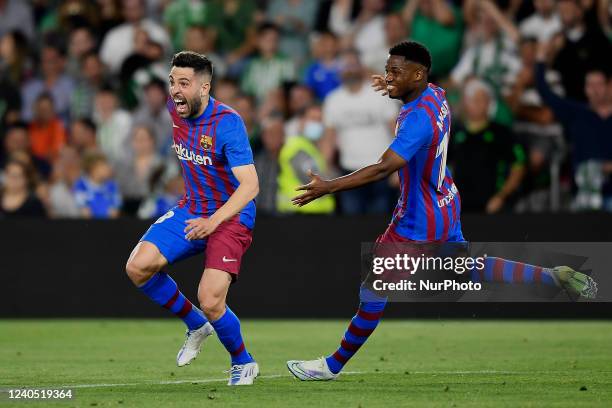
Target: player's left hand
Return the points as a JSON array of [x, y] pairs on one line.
[[199, 228], [315, 189]]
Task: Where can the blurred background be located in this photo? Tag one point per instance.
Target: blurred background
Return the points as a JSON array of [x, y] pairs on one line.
[[85, 133]]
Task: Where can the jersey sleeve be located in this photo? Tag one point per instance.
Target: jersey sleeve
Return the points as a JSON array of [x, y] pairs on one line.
[[413, 133], [236, 143]]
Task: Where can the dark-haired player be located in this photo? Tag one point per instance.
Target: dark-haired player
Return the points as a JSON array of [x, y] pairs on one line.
[[216, 216], [428, 208]]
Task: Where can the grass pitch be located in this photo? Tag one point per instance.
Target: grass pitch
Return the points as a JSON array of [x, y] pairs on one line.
[[131, 363]]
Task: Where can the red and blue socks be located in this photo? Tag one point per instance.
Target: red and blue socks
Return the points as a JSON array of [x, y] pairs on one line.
[[162, 289], [362, 326], [227, 328], [506, 271]]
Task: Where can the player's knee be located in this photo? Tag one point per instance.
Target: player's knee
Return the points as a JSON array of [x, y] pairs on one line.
[[139, 272], [213, 307]]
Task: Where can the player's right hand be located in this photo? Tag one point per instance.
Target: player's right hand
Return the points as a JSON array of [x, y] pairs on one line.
[[379, 84], [315, 189]]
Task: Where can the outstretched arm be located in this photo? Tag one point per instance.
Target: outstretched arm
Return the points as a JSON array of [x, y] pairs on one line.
[[387, 164]]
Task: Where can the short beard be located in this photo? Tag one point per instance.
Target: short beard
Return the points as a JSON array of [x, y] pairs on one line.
[[196, 104]]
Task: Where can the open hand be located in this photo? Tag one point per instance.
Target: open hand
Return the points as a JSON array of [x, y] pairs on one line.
[[313, 190], [199, 228]]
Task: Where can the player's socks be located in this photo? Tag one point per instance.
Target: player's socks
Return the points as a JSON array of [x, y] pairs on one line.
[[162, 289], [228, 331], [503, 270], [362, 325]]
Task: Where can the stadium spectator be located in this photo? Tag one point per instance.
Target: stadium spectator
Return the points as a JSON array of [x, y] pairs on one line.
[[437, 24], [16, 15], [482, 147], [66, 16], [119, 42], [91, 78], [17, 193], [153, 114], [395, 32], [367, 32], [536, 128], [234, 24], [295, 19], [245, 106], [109, 16], [82, 41], [202, 39], [96, 193], [47, 132], [83, 136], [274, 104], [336, 16], [269, 69], [66, 171], [17, 142], [359, 127], [10, 109], [300, 98], [113, 123], [14, 57], [544, 24], [580, 48], [297, 158], [266, 163], [145, 61], [53, 80], [588, 128], [226, 90], [323, 74], [134, 171], [182, 15], [160, 203], [491, 54]]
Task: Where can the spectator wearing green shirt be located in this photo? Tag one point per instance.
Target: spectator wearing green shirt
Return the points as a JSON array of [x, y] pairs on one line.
[[438, 25], [234, 24], [269, 69], [488, 164], [295, 19], [179, 15]]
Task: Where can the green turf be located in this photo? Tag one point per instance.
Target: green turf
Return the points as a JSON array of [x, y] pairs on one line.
[[405, 363]]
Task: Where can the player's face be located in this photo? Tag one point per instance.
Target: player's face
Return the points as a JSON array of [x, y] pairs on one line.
[[187, 91], [402, 76], [595, 88]]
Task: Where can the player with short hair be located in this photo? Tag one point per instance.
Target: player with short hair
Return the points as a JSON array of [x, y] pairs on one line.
[[429, 207], [216, 215]]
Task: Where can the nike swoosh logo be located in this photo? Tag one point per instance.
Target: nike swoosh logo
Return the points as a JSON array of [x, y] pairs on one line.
[[174, 126], [229, 260]]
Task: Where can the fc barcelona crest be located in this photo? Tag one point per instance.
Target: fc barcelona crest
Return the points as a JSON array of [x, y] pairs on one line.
[[206, 142]]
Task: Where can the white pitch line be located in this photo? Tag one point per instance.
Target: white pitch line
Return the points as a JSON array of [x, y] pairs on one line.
[[214, 380]]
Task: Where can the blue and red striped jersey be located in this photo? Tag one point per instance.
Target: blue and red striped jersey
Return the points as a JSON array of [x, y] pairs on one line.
[[429, 206], [208, 147]]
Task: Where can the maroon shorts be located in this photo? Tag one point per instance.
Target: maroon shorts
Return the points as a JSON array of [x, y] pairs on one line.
[[226, 246], [390, 236]]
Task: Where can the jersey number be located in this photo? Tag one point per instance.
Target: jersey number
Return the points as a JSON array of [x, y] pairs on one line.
[[442, 150]]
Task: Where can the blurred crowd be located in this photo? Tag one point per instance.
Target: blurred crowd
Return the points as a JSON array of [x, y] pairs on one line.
[[84, 129]]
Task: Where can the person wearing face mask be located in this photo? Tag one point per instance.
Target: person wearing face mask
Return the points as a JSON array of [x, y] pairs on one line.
[[298, 158]]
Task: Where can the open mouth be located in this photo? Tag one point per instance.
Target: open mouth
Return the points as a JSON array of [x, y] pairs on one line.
[[181, 105]]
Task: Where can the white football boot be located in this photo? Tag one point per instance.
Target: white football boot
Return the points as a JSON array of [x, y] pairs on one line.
[[243, 374], [313, 370], [193, 343]]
